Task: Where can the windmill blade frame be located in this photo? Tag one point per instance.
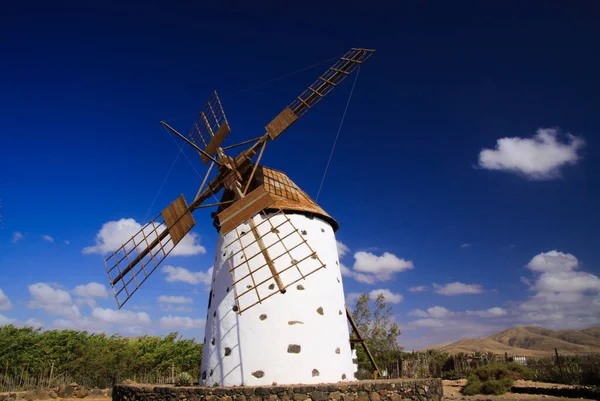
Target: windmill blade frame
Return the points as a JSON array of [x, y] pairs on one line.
[[152, 244]]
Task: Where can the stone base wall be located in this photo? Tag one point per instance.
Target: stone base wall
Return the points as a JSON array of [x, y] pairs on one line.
[[367, 390]]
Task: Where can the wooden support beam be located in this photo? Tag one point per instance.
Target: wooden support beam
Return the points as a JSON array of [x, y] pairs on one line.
[[361, 340]]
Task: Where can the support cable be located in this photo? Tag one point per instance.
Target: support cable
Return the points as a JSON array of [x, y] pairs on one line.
[[337, 135]]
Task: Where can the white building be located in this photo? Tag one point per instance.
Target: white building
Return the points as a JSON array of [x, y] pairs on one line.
[[266, 336]]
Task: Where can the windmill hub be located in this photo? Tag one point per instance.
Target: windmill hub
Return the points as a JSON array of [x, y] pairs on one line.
[[276, 309]]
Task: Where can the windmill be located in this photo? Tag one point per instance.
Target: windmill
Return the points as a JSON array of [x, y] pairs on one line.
[[276, 310]]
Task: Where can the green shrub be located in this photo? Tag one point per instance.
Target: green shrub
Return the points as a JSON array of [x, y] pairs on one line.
[[521, 371], [497, 387], [184, 379], [473, 386]]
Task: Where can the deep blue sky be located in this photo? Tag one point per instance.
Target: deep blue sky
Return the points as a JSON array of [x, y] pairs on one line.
[[85, 85]]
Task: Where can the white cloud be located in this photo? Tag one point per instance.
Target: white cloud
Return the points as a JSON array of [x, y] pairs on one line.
[[121, 316], [91, 290], [436, 312], [175, 308], [426, 323], [465, 245], [67, 242], [5, 321], [491, 312], [114, 234], [419, 288], [387, 294], [552, 262], [352, 297], [5, 303], [342, 248], [82, 323], [457, 288], [47, 238], [35, 323], [174, 299], [180, 323], [564, 297], [81, 302], [182, 274], [539, 158], [17, 236], [52, 300], [370, 268]]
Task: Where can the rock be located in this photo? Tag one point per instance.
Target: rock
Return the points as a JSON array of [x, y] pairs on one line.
[[29, 396], [315, 372], [395, 397], [335, 396], [294, 349], [42, 394], [362, 396], [109, 392], [320, 310], [73, 384], [299, 397], [65, 391], [319, 395], [81, 392], [225, 398], [96, 393], [375, 397], [258, 374], [52, 394]]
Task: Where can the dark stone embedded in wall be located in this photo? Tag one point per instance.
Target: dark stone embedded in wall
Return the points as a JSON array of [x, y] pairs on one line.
[[293, 322], [337, 350], [271, 286], [262, 317], [227, 351], [299, 287], [364, 390], [320, 310], [315, 372], [294, 349]]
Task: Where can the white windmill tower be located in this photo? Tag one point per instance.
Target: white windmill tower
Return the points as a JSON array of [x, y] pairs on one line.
[[276, 310]]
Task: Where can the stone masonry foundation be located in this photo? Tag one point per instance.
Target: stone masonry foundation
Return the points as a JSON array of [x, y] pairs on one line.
[[367, 390]]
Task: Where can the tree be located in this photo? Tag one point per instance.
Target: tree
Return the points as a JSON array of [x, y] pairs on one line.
[[376, 325]]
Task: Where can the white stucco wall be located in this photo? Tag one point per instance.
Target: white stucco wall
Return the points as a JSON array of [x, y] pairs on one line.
[[257, 340]]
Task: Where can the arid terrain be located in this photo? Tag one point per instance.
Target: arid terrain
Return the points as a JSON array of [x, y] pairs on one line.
[[452, 391], [530, 341]]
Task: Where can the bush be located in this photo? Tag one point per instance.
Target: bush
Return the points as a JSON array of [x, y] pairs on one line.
[[184, 379], [497, 387], [473, 386], [496, 379], [521, 371], [500, 371]]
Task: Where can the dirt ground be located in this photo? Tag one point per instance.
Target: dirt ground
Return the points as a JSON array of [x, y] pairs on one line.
[[452, 392]]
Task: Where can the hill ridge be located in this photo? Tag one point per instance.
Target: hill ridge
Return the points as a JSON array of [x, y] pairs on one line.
[[529, 341]]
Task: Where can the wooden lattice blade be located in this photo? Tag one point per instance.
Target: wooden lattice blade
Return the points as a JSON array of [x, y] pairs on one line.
[[292, 257], [210, 128], [130, 265], [334, 76]]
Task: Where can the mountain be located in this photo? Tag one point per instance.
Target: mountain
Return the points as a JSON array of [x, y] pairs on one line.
[[530, 341]]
